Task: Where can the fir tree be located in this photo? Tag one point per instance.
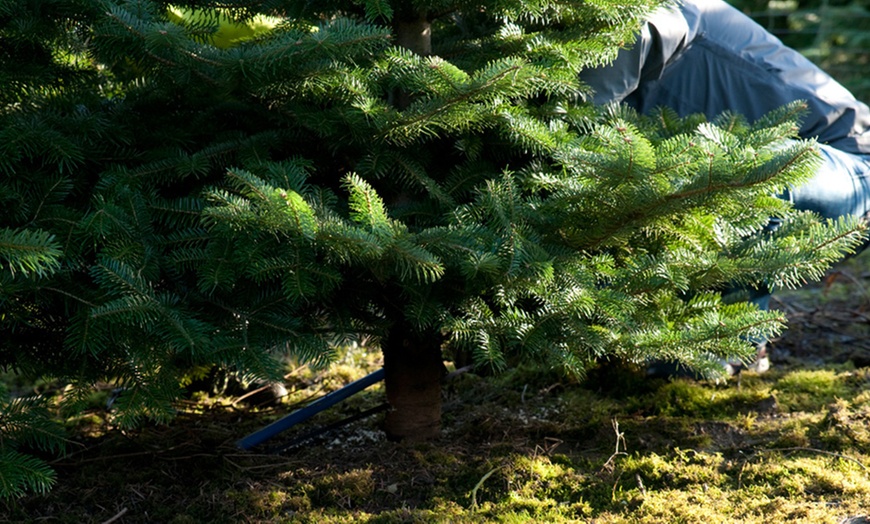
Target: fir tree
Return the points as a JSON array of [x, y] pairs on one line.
[[423, 173]]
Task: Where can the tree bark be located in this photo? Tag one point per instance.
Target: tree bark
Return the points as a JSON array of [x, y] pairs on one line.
[[414, 32], [413, 369]]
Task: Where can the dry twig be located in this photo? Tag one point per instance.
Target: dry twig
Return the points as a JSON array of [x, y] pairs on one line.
[[620, 437], [479, 484], [116, 517]]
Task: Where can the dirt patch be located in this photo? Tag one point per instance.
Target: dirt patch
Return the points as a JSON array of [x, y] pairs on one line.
[[829, 322]]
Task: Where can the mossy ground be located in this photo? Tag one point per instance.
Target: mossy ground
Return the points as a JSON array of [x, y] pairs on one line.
[[791, 445]]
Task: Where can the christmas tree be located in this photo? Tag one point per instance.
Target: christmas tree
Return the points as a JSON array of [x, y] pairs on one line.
[[228, 183]]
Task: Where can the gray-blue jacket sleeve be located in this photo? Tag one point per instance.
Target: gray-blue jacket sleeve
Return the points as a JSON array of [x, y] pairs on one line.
[[704, 56], [661, 38]]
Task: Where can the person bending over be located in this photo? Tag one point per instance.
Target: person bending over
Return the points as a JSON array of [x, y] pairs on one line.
[[705, 56]]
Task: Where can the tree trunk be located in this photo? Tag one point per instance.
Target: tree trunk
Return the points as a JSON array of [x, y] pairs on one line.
[[414, 32], [413, 370], [412, 361]]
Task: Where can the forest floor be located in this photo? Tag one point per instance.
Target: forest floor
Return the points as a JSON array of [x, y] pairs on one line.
[[789, 445]]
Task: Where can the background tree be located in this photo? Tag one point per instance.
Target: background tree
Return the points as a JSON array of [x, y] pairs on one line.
[[835, 34], [423, 173]]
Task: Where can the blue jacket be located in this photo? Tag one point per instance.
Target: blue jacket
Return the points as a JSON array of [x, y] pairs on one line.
[[704, 56]]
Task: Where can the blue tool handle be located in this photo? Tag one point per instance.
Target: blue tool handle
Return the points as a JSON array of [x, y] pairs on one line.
[[310, 410]]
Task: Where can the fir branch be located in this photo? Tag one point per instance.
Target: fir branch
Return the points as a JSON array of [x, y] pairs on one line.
[[422, 115], [20, 473], [366, 206], [29, 251], [127, 21]]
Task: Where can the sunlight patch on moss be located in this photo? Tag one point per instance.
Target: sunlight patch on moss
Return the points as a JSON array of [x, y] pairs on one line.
[[846, 426], [714, 505], [692, 504], [538, 481], [862, 398], [805, 475], [681, 468], [795, 432], [811, 389], [696, 399]]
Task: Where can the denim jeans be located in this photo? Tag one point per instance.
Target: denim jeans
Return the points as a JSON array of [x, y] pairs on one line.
[[840, 187]]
